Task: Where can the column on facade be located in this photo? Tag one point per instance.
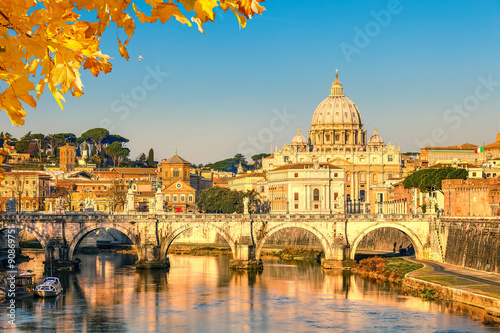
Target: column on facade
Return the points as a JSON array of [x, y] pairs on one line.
[[352, 186], [323, 194], [356, 184], [367, 190], [328, 200]]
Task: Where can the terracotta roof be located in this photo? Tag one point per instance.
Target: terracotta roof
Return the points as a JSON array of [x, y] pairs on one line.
[[27, 173], [253, 174], [304, 166], [223, 180], [460, 164], [176, 159], [493, 145], [136, 171], [271, 156], [465, 146]]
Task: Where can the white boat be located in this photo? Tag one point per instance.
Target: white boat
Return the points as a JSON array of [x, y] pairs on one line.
[[50, 287]]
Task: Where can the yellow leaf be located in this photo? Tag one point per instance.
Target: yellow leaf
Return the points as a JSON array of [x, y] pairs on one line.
[[57, 95], [199, 23], [123, 50]]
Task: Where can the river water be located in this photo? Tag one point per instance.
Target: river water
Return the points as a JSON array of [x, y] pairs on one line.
[[201, 294]]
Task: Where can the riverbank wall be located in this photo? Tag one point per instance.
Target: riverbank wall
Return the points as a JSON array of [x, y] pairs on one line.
[[490, 304]]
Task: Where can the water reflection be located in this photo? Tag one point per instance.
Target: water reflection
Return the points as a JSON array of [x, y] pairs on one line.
[[201, 294]]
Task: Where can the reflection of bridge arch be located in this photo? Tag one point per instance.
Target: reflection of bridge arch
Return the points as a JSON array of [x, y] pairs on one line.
[[285, 225], [417, 244], [206, 225], [77, 239], [39, 237]]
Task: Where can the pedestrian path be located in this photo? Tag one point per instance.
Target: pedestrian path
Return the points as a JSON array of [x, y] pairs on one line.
[[470, 280]]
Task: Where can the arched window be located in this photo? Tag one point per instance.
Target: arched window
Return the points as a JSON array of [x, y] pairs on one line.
[[316, 195], [390, 175], [176, 173]]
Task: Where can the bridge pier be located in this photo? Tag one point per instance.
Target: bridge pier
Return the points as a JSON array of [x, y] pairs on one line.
[[339, 258], [244, 256], [150, 258], [58, 259]]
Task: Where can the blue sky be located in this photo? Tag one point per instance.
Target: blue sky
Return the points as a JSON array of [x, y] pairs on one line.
[[422, 72]]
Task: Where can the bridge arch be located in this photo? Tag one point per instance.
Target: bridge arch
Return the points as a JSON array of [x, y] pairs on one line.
[[285, 225], [186, 227], [419, 248], [28, 228], [77, 239]]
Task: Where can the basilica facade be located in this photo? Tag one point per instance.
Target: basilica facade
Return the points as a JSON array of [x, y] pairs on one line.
[[337, 137]]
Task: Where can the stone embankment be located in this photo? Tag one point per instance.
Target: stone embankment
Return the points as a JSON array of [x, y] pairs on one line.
[[410, 278]]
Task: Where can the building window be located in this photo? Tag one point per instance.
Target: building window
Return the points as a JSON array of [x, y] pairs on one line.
[[285, 158], [389, 158], [296, 206], [185, 173], [166, 174], [374, 178], [176, 173], [296, 196], [335, 196], [174, 198], [316, 195], [327, 138], [296, 175], [183, 198], [390, 175], [167, 198], [348, 177], [316, 206], [190, 197], [362, 177]]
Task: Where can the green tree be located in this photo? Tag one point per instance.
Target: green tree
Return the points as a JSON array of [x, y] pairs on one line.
[[96, 136], [142, 159], [117, 152], [257, 159], [151, 158], [428, 180], [240, 158], [23, 143], [221, 199]]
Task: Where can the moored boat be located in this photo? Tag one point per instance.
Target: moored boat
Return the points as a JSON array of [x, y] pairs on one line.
[[17, 286], [50, 287]]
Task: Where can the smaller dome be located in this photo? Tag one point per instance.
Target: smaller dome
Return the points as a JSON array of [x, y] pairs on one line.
[[299, 139], [375, 138]]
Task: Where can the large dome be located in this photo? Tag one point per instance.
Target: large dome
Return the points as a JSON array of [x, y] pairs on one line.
[[337, 123], [337, 109]]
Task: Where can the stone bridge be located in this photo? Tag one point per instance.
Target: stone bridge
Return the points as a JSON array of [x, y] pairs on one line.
[[152, 234]]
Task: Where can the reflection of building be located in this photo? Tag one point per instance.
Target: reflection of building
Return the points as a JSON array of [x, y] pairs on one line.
[[30, 187], [306, 187], [337, 137], [175, 174], [67, 155]]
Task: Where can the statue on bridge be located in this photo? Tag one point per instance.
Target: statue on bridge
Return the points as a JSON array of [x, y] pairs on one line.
[[89, 204], [10, 205]]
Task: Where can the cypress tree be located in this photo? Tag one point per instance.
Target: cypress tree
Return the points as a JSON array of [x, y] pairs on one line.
[[151, 158]]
